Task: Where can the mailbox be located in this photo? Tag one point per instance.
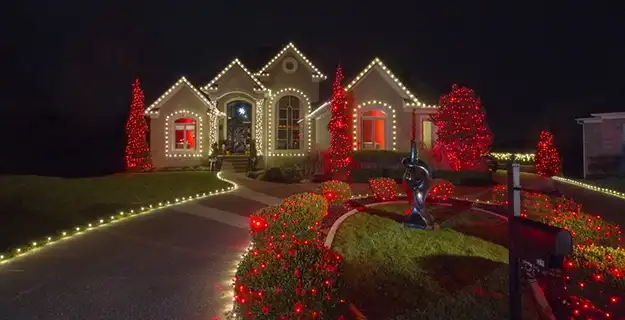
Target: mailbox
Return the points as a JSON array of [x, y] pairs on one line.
[[538, 242]]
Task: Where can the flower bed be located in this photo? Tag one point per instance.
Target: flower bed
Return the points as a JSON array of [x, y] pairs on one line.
[[595, 271], [288, 273]]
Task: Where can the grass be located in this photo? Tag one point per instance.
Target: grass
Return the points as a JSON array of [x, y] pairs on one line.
[[457, 272], [613, 183], [32, 207]]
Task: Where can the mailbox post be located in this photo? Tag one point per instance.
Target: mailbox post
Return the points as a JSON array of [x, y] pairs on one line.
[[514, 206], [536, 246]]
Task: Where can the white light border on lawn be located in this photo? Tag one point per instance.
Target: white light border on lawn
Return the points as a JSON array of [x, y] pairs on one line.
[[120, 216], [607, 191]]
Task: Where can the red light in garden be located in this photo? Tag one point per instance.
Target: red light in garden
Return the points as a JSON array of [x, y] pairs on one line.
[[257, 224]]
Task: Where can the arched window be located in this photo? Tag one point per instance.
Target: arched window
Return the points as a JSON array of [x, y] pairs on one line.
[[372, 130], [186, 134], [289, 134]]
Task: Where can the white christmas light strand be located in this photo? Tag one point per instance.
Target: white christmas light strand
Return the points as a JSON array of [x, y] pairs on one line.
[[355, 121], [173, 89], [591, 187], [210, 85], [170, 152], [122, 215], [316, 75]]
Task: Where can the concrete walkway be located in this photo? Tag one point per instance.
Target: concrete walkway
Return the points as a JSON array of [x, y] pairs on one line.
[[173, 264]]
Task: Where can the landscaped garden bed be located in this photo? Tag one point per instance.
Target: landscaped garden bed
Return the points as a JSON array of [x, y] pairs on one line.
[[457, 272], [35, 207], [388, 271]]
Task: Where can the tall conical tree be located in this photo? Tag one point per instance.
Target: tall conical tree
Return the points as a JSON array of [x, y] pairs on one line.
[[547, 158], [463, 136], [137, 149], [341, 139]]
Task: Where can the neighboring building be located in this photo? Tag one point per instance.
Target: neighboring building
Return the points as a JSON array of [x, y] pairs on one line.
[[280, 108], [603, 143]]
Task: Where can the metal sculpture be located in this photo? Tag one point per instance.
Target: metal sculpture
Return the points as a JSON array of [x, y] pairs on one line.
[[417, 178]]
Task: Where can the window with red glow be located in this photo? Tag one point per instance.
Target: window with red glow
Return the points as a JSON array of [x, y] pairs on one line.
[[185, 133], [372, 130]]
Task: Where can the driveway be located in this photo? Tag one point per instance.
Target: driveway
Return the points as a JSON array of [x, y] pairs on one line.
[[173, 264]]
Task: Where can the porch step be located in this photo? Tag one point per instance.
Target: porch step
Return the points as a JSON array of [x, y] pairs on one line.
[[234, 163]]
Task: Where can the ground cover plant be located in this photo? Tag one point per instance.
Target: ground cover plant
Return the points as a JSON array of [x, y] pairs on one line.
[[288, 273], [36, 206], [596, 270], [393, 272]]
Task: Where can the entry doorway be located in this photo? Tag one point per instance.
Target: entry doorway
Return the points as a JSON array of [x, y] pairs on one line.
[[239, 126]]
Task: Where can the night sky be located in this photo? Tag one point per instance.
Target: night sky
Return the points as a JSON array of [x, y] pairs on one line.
[[71, 63]]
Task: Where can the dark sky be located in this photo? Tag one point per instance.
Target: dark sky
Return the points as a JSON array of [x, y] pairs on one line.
[[71, 63]]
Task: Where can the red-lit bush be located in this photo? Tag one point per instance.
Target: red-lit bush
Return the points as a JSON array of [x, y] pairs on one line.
[[595, 270], [335, 191], [293, 280], [441, 189], [298, 216], [383, 188]]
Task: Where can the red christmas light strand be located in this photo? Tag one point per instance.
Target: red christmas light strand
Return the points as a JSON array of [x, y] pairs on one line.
[[463, 135], [137, 149], [341, 140], [547, 157]]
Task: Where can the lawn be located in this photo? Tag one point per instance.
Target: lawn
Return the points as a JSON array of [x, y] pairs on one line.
[[457, 272], [613, 183], [33, 207]]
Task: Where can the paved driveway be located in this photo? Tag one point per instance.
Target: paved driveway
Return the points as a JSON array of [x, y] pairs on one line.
[[174, 264]]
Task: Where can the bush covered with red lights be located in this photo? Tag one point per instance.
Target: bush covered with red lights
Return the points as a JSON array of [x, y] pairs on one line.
[[298, 216], [288, 273], [383, 188], [335, 191], [595, 271], [295, 280], [441, 189]]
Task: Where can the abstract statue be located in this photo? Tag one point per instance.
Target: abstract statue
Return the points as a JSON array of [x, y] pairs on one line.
[[417, 185]]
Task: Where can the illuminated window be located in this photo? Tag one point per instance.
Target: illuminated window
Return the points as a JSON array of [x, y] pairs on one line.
[[289, 134], [185, 136], [372, 130], [428, 134]]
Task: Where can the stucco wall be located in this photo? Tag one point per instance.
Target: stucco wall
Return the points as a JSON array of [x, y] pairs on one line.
[[183, 99], [322, 135], [300, 79]]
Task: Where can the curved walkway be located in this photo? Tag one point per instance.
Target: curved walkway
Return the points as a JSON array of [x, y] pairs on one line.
[[174, 264]]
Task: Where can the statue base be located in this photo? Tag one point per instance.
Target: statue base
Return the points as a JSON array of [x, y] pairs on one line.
[[418, 220]]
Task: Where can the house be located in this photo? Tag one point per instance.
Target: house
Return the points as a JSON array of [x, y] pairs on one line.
[[603, 143], [280, 108]]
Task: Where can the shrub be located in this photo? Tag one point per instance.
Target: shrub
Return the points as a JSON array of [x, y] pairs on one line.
[[441, 189], [294, 280], [584, 228], [298, 216], [383, 188], [335, 191]]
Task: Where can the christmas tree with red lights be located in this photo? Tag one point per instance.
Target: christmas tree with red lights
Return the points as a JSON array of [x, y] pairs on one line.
[[137, 149], [341, 140], [547, 157], [463, 135]]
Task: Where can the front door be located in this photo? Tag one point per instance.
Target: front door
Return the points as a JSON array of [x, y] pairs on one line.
[[239, 126]]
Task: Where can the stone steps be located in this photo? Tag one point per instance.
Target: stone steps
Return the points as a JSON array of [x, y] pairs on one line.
[[234, 163]]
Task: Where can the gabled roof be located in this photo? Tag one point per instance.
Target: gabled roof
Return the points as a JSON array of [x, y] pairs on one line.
[[392, 79], [153, 108], [228, 67], [291, 46]]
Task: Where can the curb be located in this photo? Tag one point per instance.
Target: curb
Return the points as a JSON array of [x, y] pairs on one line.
[[538, 294], [330, 238], [545, 311], [36, 246]]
